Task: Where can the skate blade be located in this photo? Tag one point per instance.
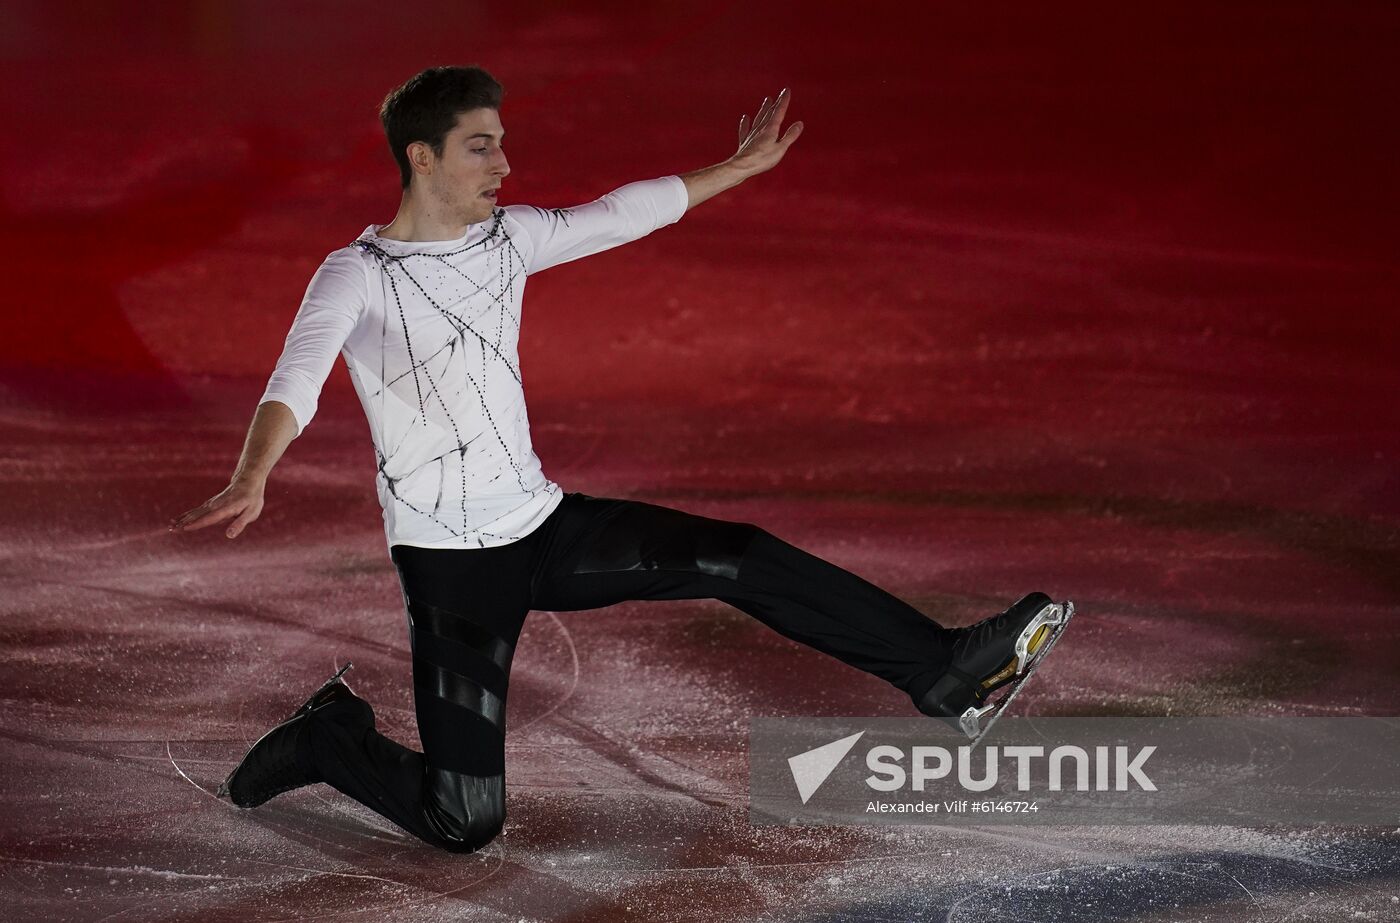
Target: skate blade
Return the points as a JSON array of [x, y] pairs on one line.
[[310, 702], [1033, 642], [1055, 621]]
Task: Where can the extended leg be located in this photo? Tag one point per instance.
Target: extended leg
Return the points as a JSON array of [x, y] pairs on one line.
[[604, 551]]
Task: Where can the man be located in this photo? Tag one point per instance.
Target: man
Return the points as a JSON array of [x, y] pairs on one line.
[[425, 311]]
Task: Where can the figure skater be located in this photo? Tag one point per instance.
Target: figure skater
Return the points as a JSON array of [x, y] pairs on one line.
[[426, 312]]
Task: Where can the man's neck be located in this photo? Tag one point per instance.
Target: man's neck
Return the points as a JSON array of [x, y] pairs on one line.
[[418, 220]]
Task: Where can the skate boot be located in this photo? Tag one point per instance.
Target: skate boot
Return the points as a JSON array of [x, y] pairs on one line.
[[279, 761], [995, 653]]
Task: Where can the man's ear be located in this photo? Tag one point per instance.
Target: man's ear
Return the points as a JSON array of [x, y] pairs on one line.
[[420, 157]]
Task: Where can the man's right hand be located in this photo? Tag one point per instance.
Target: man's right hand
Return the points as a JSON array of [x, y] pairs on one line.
[[273, 427], [241, 501]]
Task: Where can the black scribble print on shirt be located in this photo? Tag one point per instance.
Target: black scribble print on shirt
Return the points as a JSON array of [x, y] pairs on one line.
[[439, 369], [561, 213]]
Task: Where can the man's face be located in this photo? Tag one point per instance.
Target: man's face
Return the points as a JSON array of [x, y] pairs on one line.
[[472, 165]]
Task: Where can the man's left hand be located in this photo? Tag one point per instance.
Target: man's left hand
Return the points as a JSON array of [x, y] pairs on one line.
[[760, 148]]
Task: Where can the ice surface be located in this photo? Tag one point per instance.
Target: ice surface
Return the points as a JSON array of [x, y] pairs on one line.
[[1001, 322]]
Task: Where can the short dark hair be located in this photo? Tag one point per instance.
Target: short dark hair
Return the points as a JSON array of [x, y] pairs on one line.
[[426, 108]]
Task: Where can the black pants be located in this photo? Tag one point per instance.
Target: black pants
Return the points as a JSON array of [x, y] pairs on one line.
[[466, 608]]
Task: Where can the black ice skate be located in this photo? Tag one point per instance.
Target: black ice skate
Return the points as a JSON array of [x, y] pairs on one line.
[[277, 763], [996, 653]]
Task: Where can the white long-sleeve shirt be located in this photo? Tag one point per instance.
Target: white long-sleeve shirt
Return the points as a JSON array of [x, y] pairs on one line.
[[429, 331]]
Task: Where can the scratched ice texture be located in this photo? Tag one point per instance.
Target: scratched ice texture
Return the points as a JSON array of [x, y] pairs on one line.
[[1095, 299]]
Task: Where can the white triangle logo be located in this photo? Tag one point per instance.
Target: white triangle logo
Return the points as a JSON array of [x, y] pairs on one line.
[[810, 769]]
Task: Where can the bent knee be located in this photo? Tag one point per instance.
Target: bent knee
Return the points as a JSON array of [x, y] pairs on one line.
[[470, 833], [471, 836], [466, 812]]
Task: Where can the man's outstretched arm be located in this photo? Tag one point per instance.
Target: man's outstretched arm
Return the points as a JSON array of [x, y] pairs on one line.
[[334, 301], [272, 430], [560, 235], [760, 150]]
